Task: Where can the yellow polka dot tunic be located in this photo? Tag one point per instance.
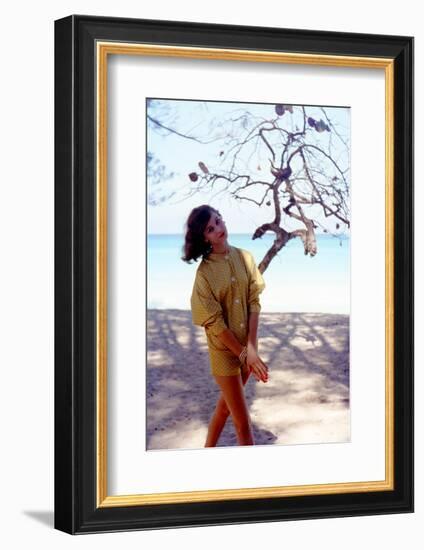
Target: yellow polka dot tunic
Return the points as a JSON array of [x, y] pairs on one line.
[[226, 289]]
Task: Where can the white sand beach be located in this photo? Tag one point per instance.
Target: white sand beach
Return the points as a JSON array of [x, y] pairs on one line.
[[306, 399]]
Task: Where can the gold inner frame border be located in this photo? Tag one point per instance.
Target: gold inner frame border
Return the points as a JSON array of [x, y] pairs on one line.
[[103, 50]]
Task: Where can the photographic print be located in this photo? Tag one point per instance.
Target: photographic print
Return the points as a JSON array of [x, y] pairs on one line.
[[248, 274]]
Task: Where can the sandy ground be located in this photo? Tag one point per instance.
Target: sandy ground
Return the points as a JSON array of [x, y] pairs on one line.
[[306, 399]]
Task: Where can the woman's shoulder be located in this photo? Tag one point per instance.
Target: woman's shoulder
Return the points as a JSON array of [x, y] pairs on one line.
[[205, 275], [202, 269], [208, 268], [246, 254]]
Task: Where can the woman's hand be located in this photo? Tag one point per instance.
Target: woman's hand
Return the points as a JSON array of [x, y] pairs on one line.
[[256, 365]]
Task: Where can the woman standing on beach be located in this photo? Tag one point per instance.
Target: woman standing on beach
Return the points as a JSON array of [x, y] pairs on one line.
[[225, 301]]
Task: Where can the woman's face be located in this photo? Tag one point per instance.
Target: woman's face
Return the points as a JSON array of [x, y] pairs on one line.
[[215, 232]]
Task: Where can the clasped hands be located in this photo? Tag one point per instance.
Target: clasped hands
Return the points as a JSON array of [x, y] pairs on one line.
[[255, 364]]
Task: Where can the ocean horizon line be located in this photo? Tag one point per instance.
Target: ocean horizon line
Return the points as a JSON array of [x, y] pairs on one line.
[[294, 281]]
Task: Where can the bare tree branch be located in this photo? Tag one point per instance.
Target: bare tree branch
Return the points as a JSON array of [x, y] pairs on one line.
[[308, 171]]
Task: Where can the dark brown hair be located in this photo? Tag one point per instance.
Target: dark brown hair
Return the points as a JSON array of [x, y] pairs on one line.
[[194, 242]]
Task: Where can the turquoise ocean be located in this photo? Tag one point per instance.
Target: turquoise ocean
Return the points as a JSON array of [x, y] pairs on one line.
[[294, 282]]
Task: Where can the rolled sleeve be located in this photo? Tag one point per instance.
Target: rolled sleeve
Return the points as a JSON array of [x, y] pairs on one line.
[[205, 308], [256, 286]]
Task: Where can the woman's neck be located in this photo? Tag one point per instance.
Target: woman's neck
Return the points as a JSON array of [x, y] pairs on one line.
[[221, 249]]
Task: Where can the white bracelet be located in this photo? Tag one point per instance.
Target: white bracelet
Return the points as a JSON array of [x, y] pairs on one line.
[[243, 355]]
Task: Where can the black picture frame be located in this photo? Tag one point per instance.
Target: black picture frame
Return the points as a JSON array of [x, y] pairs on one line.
[[77, 508]]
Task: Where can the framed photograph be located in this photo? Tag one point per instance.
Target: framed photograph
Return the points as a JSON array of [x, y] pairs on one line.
[[233, 274]]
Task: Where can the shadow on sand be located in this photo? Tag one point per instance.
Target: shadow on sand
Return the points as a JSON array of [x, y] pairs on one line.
[[305, 401]]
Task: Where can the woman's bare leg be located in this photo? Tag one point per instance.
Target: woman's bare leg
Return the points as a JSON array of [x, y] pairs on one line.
[[233, 393], [217, 422], [220, 415]]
